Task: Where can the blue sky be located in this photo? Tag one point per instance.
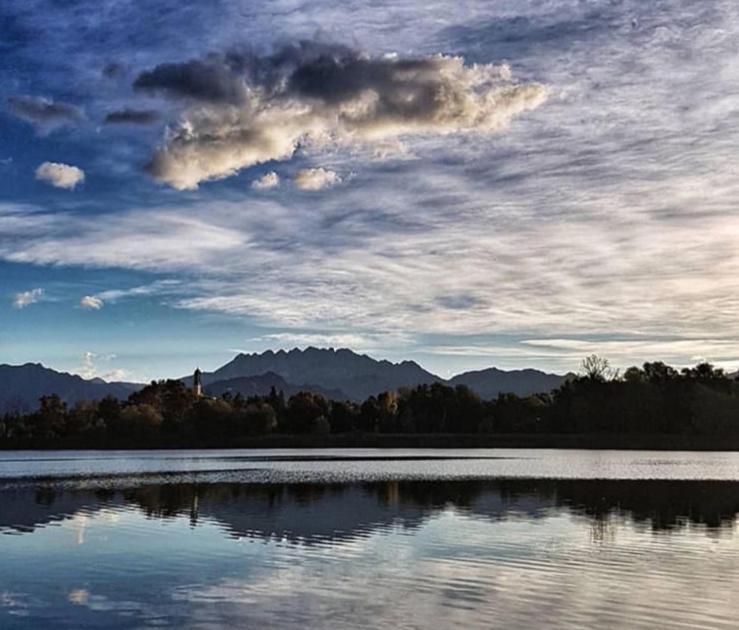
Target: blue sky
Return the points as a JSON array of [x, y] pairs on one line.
[[485, 183]]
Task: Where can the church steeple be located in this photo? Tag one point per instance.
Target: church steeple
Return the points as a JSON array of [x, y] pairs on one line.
[[197, 383]]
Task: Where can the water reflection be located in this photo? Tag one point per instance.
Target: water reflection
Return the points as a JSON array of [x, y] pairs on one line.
[[505, 553], [322, 512]]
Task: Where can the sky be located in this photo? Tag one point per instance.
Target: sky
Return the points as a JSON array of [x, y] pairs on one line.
[[465, 184]]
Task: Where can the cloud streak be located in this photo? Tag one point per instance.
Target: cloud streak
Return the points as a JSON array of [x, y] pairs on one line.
[[129, 116]]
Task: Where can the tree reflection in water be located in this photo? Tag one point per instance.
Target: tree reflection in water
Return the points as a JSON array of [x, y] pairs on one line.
[[309, 512]]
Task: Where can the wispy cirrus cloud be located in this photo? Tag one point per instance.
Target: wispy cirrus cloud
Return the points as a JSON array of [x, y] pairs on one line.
[[159, 287], [439, 276], [118, 241]]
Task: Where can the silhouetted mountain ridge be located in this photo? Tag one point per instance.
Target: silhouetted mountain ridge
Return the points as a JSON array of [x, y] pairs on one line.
[[490, 382], [358, 376], [337, 374], [22, 385]]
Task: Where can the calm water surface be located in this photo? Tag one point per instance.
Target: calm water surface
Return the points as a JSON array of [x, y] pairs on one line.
[[369, 539]]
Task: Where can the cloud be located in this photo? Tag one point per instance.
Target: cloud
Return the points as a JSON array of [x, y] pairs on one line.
[[118, 374], [316, 179], [91, 302], [60, 175], [25, 298], [243, 110], [352, 340], [214, 79], [132, 117], [158, 287], [90, 367], [119, 240], [611, 212], [79, 596], [87, 368], [268, 180], [44, 113]]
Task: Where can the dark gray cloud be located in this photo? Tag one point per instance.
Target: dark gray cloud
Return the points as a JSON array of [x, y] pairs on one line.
[[132, 117], [39, 110], [212, 79], [414, 83]]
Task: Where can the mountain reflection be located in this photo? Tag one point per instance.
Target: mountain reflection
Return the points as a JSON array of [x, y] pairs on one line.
[[312, 513]]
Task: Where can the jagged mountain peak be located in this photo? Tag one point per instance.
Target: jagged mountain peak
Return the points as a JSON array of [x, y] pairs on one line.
[[357, 375]]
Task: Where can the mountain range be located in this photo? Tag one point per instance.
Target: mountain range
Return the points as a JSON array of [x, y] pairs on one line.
[[21, 386], [357, 376], [337, 374]]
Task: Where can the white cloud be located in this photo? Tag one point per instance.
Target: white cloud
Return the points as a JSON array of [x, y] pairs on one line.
[[60, 175], [79, 596], [118, 374], [90, 367], [316, 179], [268, 180], [158, 287], [91, 302], [25, 298]]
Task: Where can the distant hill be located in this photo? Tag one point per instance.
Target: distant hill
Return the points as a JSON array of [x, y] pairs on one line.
[[336, 374], [356, 375], [492, 381], [21, 386], [343, 373], [262, 384]]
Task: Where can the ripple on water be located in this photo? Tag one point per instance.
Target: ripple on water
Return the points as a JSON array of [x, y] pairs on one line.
[[189, 550]]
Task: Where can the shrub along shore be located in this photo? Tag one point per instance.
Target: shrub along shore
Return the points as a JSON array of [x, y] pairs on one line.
[[652, 407]]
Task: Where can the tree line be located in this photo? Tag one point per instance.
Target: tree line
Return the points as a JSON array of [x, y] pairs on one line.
[[653, 399]]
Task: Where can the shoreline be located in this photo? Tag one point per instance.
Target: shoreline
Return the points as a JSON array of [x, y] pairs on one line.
[[574, 441]]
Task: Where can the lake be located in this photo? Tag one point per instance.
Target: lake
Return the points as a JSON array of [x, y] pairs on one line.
[[499, 538]]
